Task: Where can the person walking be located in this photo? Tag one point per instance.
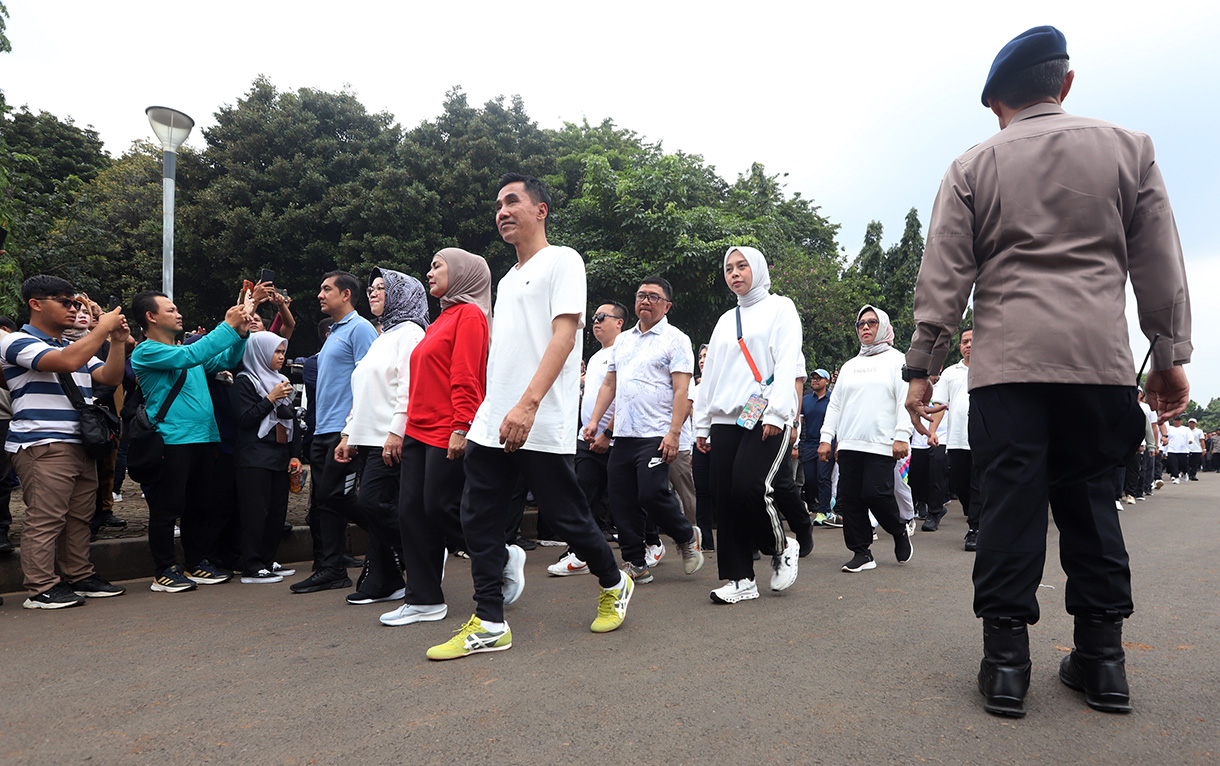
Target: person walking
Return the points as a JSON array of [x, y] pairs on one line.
[[1044, 222], [963, 479], [746, 405]]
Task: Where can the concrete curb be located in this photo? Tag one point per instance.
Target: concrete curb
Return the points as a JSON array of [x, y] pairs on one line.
[[128, 558]]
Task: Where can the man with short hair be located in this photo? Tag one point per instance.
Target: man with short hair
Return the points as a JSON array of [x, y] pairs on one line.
[[58, 477], [1045, 222], [184, 488], [524, 426], [656, 362], [964, 481], [1177, 448], [592, 457], [349, 339]]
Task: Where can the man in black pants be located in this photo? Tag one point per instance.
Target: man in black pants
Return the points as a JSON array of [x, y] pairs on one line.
[[656, 362], [524, 426], [963, 480], [1045, 222], [334, 482]]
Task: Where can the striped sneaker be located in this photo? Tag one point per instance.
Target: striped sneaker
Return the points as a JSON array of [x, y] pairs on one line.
[[471, 638], [207, 573], [172, 580]]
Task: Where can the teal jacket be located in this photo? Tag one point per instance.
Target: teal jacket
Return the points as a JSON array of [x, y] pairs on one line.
[[191, 419]]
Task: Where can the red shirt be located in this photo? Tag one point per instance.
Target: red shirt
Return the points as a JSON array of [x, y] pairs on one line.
[[448, 375]]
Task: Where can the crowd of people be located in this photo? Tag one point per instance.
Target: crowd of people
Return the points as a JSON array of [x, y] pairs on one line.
[[429, 432]]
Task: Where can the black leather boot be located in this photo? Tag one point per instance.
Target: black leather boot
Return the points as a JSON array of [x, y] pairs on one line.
[[1097, 666], [1004, 672]]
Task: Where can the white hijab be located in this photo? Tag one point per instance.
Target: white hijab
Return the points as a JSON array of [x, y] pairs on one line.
[[884, 338], [260, 347], [761, 286]]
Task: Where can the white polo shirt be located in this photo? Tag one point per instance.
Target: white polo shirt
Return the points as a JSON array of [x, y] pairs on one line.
[[953, 386], [595, 374], [643, 364]]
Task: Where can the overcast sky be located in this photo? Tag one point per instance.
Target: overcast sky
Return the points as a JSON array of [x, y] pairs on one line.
[[863, 106]]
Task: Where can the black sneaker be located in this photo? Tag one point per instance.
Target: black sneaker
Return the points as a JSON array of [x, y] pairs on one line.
[[360, 597], [903, 551], [60, 596], [206, 573], [113, 521], [172, 580], [932, 523], [860, 562], [805, 540], [94, 586], [972, 540], [322, 579], [351, 562], [6, 545], [525, 545]]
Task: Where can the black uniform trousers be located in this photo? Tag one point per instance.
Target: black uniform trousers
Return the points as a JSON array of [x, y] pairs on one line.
[[183, 491], [866, 483], [429, 516], [1024, 464], [491, 475], [263, 506], [639, 493], [745, 466], [928, 476]]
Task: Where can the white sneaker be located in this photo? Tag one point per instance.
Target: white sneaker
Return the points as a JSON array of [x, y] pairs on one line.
[[783, 566], [262, 576], [570, 564], [653, 554], [1118, 505], [911, 527], [178, 529], [1128, 499], [1176, 480], [734, 591], [411, 613], [1158, 484], [116, 497], [282, 571], [514, 574]]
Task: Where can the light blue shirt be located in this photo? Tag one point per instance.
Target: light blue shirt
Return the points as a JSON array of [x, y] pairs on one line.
[[349, 340]]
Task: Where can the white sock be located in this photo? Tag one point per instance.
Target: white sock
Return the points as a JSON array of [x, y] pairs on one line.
[[622, 582], [494, 627]]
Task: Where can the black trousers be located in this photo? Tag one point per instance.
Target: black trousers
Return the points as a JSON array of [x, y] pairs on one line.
[[491, 475], [377, 504], [705, 504], [183, 491], [819, 477], [1131, 476], [1024, 464], [1146, 473], [1175, 464], [965, 481], [1193, 461], [263, 506], [639, 492], [591, 475], [928, 476], [333, 502], [745, 467], [429, 516], [866, 483], [228, 516]]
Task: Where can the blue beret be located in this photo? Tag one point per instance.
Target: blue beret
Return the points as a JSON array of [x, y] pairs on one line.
[[1032, 47]]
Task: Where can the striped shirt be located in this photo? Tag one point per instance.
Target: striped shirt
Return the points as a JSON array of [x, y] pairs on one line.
[[42, 413]]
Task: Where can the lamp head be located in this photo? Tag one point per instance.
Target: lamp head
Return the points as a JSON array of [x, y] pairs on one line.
[[171, 126]]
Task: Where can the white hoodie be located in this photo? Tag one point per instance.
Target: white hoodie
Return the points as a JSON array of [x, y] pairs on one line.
[[867, 410]]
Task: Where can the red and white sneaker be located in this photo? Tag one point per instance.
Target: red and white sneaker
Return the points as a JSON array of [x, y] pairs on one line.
[[568, 565]]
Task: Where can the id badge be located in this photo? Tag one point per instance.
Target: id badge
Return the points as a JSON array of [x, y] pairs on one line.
[[752, 412]]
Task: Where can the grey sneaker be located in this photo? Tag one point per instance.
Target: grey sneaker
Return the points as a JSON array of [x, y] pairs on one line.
[[692, 552], [640, 575], [514, 574]]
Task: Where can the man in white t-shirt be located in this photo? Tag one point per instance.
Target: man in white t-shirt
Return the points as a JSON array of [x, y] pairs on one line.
[[954, 384], [524, 426], [929, 467], [591, 456], [1177, 448], [1194, 448]]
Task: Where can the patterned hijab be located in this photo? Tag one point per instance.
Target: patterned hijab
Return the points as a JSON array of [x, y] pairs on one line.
[[260, 347], [405, 299], [469, 280], [884, 338], [761, 286]]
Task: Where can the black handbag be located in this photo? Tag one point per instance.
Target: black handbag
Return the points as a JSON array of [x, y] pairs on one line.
[[99, 427], [147, 447]]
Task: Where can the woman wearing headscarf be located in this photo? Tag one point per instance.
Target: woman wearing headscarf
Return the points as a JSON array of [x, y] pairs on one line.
[[381, 385], [266, 453], [867, 414], [746, 405], [448, 379]]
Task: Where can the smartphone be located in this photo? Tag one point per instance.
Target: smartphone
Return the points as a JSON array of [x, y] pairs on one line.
[[114, 302], [268, 276]]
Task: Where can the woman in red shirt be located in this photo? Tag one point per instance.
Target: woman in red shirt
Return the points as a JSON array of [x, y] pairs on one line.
[[448, 380]]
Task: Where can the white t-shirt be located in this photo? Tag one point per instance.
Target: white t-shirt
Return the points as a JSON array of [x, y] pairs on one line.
[[1179, 439], [954, 386], [1195, 436], [548, 285], [595, 373], [918, 440], [643, 364]]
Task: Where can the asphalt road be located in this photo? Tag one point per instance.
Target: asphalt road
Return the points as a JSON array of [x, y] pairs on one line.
[[877, 667]]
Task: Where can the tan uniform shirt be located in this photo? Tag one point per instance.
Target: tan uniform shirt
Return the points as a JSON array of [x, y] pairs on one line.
[[1045, 220]]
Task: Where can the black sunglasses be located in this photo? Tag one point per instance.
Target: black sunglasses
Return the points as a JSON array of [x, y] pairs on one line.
[[599, 317], [67, 303]]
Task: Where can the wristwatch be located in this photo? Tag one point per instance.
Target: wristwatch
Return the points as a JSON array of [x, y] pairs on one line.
[[910, 373], [460, 432], [608, 433]]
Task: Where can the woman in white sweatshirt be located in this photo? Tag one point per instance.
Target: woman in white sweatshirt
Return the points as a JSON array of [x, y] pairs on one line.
[[754, 356], [867, 414]]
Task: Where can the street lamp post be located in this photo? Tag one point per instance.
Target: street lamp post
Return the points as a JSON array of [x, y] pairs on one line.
[[171, 128]]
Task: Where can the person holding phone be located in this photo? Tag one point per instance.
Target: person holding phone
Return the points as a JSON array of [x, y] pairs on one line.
[[372, 436], [267, 452], [747, 403]]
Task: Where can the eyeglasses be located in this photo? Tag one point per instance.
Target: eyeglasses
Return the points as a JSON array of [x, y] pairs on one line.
[[599, 317], [67, 303], [650, 297], [374, 290], [867, 323]]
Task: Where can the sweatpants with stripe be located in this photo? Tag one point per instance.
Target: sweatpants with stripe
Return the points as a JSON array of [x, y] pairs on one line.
[[748, 499], [491, 475], [866, 483]]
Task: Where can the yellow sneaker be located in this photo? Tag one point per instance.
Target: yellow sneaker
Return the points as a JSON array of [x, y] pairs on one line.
[[612, 606], [472, 639]]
